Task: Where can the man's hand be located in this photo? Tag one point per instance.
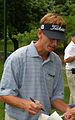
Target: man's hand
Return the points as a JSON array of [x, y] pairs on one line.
[[33, 108], [25, 104], [69, 114]]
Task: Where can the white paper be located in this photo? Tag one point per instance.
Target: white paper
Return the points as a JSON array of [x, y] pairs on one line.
[[43, 117], [53, 116]]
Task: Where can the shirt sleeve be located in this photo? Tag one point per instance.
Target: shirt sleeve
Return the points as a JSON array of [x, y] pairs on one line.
[[67, 54], [9, 81], [69, 51], [58, 90]]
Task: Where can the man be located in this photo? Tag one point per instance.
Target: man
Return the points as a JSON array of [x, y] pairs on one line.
[[69, 59], [34, 71]]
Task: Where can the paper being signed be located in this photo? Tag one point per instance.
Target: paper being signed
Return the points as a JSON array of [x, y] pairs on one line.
[[53, 116]]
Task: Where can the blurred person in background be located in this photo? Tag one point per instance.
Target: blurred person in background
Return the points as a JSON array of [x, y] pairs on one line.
[[69, 59]]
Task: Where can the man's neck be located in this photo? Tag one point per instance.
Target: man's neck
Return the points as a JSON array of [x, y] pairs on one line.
[[41, 51]]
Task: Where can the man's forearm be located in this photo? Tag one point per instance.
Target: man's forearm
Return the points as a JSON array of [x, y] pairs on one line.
[[28, 105], [60, 105], [70, 59], [0, 99], [13, 101]]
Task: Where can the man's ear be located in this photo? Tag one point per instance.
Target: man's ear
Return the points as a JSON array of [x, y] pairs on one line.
[[40, 32]]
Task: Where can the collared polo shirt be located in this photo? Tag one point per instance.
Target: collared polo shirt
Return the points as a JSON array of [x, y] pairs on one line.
[[27, 75]]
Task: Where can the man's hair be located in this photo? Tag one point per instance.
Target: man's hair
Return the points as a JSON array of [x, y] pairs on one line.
[[52, 18]]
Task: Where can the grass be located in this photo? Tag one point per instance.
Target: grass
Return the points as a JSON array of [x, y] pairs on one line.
[[66, 89], [2, 111]]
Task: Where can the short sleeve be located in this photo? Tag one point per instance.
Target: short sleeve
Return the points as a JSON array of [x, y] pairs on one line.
[[9, 81]]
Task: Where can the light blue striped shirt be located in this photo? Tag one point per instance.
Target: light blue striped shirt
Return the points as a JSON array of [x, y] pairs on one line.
[[27, 75]]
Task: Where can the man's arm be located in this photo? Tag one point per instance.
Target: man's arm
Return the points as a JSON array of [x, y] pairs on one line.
[[27, 105], [70, 114], [0, 99], [60, 105], [69, 59]]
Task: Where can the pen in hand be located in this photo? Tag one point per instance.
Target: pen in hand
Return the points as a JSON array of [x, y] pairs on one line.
[[34, 102]]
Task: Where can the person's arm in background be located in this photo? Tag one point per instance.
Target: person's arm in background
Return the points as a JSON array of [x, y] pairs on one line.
[[69, 59]]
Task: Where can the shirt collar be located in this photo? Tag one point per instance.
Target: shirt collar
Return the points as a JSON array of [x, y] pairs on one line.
[[33, 52]]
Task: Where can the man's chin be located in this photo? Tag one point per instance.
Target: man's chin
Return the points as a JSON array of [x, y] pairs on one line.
[[51, 50]]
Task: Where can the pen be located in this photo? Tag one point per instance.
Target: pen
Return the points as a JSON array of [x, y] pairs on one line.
[[34, 102]]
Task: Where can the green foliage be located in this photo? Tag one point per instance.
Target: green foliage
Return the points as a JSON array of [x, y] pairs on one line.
[[70, 23], [2, 111], [26, 37], [60, 2], [24, 16], [1, 18], [30, 12]]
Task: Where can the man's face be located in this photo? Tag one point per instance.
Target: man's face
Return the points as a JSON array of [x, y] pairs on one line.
[[73, 39], [48, 44]]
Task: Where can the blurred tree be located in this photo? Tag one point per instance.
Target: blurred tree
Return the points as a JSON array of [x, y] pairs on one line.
[[24, 15], [1, 18], [60, 2]]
